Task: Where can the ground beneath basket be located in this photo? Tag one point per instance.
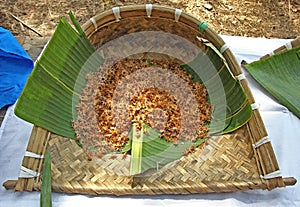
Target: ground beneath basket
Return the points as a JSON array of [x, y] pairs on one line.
[[255, 18]]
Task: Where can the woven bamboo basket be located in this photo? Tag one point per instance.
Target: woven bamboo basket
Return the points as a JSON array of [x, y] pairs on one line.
[[227, 163], [294, 43]]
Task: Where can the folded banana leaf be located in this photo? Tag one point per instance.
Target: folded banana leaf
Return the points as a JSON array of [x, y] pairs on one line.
[[53, 88], [280, 76]]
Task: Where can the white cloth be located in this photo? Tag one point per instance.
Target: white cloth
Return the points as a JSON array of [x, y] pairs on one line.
[[282, 126]]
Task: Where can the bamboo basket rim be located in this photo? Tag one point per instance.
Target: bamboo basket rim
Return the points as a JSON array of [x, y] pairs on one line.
[[107, 17], [291, 44], [264, 155], [104, 19]]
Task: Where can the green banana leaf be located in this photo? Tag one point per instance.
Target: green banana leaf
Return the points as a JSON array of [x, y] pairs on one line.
[[231, 106], [149, 150], [280, 76], [53, 87], [45, 197], [231, 110], [52, 92]]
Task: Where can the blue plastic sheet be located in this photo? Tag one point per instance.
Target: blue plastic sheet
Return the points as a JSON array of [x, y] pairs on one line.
[[15, 67]]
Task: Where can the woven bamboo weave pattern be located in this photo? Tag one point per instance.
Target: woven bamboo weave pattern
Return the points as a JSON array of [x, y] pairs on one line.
[[224, 164]]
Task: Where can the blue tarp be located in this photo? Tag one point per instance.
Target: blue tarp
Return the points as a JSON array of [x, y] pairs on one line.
[[15, 67]]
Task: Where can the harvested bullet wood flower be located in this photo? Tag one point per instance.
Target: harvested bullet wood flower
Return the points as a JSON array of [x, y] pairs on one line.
[[156, 93]]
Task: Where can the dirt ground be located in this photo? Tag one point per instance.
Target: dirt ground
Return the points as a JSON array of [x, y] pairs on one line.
[[254, 18]]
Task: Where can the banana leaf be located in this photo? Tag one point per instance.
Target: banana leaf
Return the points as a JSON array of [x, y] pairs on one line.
[[280, 76], [149, 150], [231, 106], [53, 90], [46, 192], [231, 110]]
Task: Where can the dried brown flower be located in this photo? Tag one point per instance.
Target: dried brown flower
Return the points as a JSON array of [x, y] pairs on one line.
[[110, 104]]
